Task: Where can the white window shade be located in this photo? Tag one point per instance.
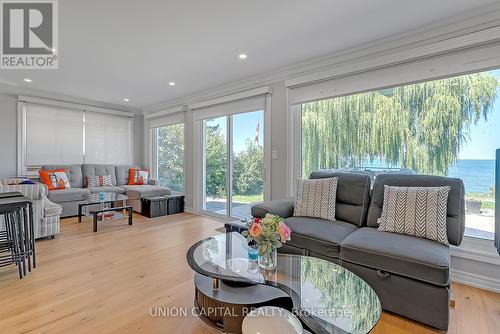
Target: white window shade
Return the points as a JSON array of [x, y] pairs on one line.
[[54, 135], [234, 107], [108, 139], [421, 70], [166, 120]]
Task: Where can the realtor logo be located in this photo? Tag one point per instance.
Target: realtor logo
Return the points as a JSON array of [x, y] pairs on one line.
[[29, 34]]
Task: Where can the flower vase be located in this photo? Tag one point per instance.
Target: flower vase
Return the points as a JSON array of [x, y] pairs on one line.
[[269, 260]]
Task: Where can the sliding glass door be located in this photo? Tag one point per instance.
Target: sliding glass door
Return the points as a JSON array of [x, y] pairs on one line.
[[233, 160], [215, 165]]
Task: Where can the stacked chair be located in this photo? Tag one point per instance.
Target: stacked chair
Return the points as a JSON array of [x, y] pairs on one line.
[[17, 236]]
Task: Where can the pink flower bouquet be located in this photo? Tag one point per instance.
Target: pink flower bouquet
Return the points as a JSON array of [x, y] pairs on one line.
[[269, 233]]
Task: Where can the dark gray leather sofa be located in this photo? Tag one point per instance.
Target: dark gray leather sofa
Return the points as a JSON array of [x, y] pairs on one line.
[[410, 275]]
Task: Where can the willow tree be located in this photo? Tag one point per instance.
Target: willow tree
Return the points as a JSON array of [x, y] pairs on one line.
[[420, 127]]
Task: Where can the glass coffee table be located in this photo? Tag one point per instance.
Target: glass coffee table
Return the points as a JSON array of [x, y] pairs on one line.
[[326, 297], [105, 208]]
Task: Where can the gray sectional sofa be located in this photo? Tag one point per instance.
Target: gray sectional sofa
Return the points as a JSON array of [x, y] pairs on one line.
[[79, 192], [410, 275]]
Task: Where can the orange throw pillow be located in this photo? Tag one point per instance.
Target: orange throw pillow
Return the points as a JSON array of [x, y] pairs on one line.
[[137, 176], [54, 179]]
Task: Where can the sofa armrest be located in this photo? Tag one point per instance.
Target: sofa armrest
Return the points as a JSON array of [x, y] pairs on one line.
[[153, 182], [31, 191], [282, 208]]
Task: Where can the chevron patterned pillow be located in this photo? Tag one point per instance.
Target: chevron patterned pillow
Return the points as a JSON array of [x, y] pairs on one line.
[[316, 198], [99, 180], [416, 211]]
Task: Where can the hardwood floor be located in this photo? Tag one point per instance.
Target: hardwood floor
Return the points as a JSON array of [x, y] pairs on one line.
[[107, 282]]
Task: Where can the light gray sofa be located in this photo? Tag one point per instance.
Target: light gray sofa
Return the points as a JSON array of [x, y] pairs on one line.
[[79, 191], [46, 214], [410, 275]]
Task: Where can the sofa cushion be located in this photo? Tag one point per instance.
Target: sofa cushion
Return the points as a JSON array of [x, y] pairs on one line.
[[98, 170], [51, 209], [281, 207], [316, 198], [416, 211], [409, 256], [319, 235], [353, 195], [455, 216], [107, 189], [122, 174], [141, 191], [74, 173], [69, 195]]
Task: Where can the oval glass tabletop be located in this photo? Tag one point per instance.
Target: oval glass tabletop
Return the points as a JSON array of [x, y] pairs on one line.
[[326, 296]]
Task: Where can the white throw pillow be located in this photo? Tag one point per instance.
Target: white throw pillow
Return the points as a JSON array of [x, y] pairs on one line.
[[416, 211], [316, 198]]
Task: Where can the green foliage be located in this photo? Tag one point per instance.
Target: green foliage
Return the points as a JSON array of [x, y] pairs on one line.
[[216, 162], [420, 127], [248, 166], [171, 156]]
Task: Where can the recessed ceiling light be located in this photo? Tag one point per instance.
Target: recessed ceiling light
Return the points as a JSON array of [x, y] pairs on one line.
[[126, 100], [171, 83], [242, 56], [28, 80]]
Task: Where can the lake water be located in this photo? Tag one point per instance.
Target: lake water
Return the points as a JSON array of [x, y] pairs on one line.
[[478, 175]]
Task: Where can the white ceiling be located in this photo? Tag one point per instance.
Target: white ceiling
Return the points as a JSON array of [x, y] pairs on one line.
[[112, 49]]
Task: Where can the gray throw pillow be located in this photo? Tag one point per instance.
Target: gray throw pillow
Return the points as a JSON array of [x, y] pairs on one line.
[[415, 211], [99, 181], [316, 198]]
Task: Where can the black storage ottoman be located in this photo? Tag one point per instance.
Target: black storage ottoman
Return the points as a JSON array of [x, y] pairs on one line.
[[175, 204], [162, 205], [154, 206]]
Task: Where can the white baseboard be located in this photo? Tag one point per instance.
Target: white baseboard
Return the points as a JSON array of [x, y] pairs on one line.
[[478, 281], [190, 210]]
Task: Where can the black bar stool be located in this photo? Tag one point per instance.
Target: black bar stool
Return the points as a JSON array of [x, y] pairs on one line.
[[17, 238]]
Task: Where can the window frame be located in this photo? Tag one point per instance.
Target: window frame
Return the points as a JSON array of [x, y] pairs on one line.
[[470, 244]]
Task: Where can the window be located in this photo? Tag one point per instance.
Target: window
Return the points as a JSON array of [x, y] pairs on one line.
[[64, 133], [443, 127], [170, 155], [108, 139], [53, 135]]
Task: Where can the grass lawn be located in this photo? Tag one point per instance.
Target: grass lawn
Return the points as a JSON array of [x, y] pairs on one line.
[[247, 198], [488, 201]]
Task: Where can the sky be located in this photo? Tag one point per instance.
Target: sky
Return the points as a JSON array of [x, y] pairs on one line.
[[485, 136], [244, 127]]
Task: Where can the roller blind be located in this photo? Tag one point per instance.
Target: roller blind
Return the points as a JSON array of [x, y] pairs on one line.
[[425, 69], [108, 138], [229, 108], [166, 120], [54, 135]]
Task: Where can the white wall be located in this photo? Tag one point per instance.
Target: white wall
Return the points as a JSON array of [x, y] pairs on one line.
[[138, 137], [8, 135]]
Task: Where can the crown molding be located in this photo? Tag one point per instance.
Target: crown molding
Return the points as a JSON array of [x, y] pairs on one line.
[[474, 21], [36, 93]]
